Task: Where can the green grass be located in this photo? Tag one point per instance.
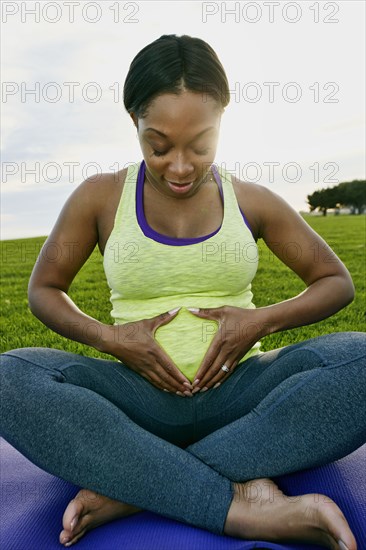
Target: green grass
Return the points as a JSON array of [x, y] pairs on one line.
[[274, 282]]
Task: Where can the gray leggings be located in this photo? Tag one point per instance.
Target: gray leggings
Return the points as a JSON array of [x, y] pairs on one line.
[[99, 425]]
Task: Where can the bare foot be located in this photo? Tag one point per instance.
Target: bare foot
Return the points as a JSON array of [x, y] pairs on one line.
[[259, 510], [92, 509]]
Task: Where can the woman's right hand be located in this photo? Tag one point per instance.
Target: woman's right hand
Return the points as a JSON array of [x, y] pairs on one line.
[[134, 345]]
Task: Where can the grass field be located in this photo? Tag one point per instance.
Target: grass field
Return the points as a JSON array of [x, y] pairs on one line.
[[274, 282]]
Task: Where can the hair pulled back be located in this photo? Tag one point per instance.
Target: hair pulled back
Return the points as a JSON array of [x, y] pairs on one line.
[[172, 64]]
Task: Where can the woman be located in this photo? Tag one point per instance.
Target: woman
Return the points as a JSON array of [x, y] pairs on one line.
[[178, 235]]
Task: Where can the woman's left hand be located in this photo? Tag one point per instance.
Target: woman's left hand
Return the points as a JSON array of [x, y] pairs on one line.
[[239, 329]]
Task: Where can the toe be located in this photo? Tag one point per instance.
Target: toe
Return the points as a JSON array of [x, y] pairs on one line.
[[65, 536], [74, 509], [75, 538]]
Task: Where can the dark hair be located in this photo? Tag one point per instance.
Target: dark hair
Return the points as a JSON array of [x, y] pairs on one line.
[[171, 64]]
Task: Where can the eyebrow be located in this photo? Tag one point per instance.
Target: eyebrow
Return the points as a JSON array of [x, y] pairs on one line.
[[197, 136]]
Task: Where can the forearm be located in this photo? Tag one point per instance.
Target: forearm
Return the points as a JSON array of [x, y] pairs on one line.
[[320, 300], [57, 311]]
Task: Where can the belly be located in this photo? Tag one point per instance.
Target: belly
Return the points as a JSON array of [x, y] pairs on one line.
[[186, 339]]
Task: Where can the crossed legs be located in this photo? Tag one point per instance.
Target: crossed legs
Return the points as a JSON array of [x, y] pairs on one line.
[[99, 425]]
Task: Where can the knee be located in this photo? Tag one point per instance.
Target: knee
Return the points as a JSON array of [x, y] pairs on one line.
[[351, 342], [33, 355], [339, 347], [339, 340], [11, 356], [9, 360], [12, 360], [10, 376]]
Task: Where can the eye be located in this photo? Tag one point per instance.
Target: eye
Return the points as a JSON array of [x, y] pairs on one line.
[[159, 153], [202, 152], [162, 153]]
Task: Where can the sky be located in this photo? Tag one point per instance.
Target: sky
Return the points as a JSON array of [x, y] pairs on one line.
[[295, 122]]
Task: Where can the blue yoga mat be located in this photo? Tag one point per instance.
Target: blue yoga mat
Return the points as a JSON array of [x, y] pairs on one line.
[[33, 503]]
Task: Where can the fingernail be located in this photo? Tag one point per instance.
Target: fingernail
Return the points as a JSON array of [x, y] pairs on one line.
[[217, 385], [205, 388], [188, 394], [194, 309], [172, 311], [342, 546], [164, 389], [179, 393], [65, 539], [196, 382], [196, 390], [74, 522], [187, 384]]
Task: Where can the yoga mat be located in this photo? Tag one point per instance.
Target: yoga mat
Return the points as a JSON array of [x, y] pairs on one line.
[[33, 502]]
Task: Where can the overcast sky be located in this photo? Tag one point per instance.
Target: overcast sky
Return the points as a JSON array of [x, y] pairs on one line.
[[295, 123]]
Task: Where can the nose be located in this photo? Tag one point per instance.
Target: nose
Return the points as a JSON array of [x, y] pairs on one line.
[[180, 168]]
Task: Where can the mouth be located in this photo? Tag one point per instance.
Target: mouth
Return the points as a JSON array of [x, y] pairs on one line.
[[179, 187]]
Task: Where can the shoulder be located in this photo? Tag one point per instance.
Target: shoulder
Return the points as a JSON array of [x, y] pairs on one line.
[[98, 189], [97, 197], [271, 218], [91, 207], [104, 193], [256, 202]]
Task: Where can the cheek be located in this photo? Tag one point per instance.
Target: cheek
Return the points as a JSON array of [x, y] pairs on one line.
[[154, 168], [152, 162], [154, 165]]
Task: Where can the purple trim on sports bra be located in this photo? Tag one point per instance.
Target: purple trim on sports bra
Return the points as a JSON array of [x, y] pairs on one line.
[[164, 239], [218, 179]]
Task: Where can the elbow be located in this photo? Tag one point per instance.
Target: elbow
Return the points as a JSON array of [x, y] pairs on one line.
[[36, 297], [32, 300], [31, 293], [348, 289], [351, 295]]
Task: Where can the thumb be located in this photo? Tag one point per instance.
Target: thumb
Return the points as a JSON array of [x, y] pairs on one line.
[[164, 318], [206, 313]]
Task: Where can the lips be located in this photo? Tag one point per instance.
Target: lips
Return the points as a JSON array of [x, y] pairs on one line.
[[180, 184], [180, 188]]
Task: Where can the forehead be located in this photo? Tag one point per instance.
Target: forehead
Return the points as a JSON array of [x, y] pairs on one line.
[[187, 112]]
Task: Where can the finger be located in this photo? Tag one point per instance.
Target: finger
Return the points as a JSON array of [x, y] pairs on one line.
[[207, 312], [211, 354], [164, 371], [163, 318], [159, 382], [216, 374], [163, 359], [162, 365]]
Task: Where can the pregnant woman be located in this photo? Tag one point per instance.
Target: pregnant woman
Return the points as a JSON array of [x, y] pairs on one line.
[[188, 418]]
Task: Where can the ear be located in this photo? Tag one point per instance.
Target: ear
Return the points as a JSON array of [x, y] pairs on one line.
[[135, 120]]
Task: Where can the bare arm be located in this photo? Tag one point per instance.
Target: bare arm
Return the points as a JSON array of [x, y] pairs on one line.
[[67, 248], [74, 237], [290, 238], [329, 284]]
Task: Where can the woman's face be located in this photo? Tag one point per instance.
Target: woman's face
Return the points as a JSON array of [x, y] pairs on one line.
[[178, 139]]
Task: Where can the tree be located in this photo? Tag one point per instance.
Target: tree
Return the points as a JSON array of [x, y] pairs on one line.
[[353, 194], [323, 199], [348, 193]]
